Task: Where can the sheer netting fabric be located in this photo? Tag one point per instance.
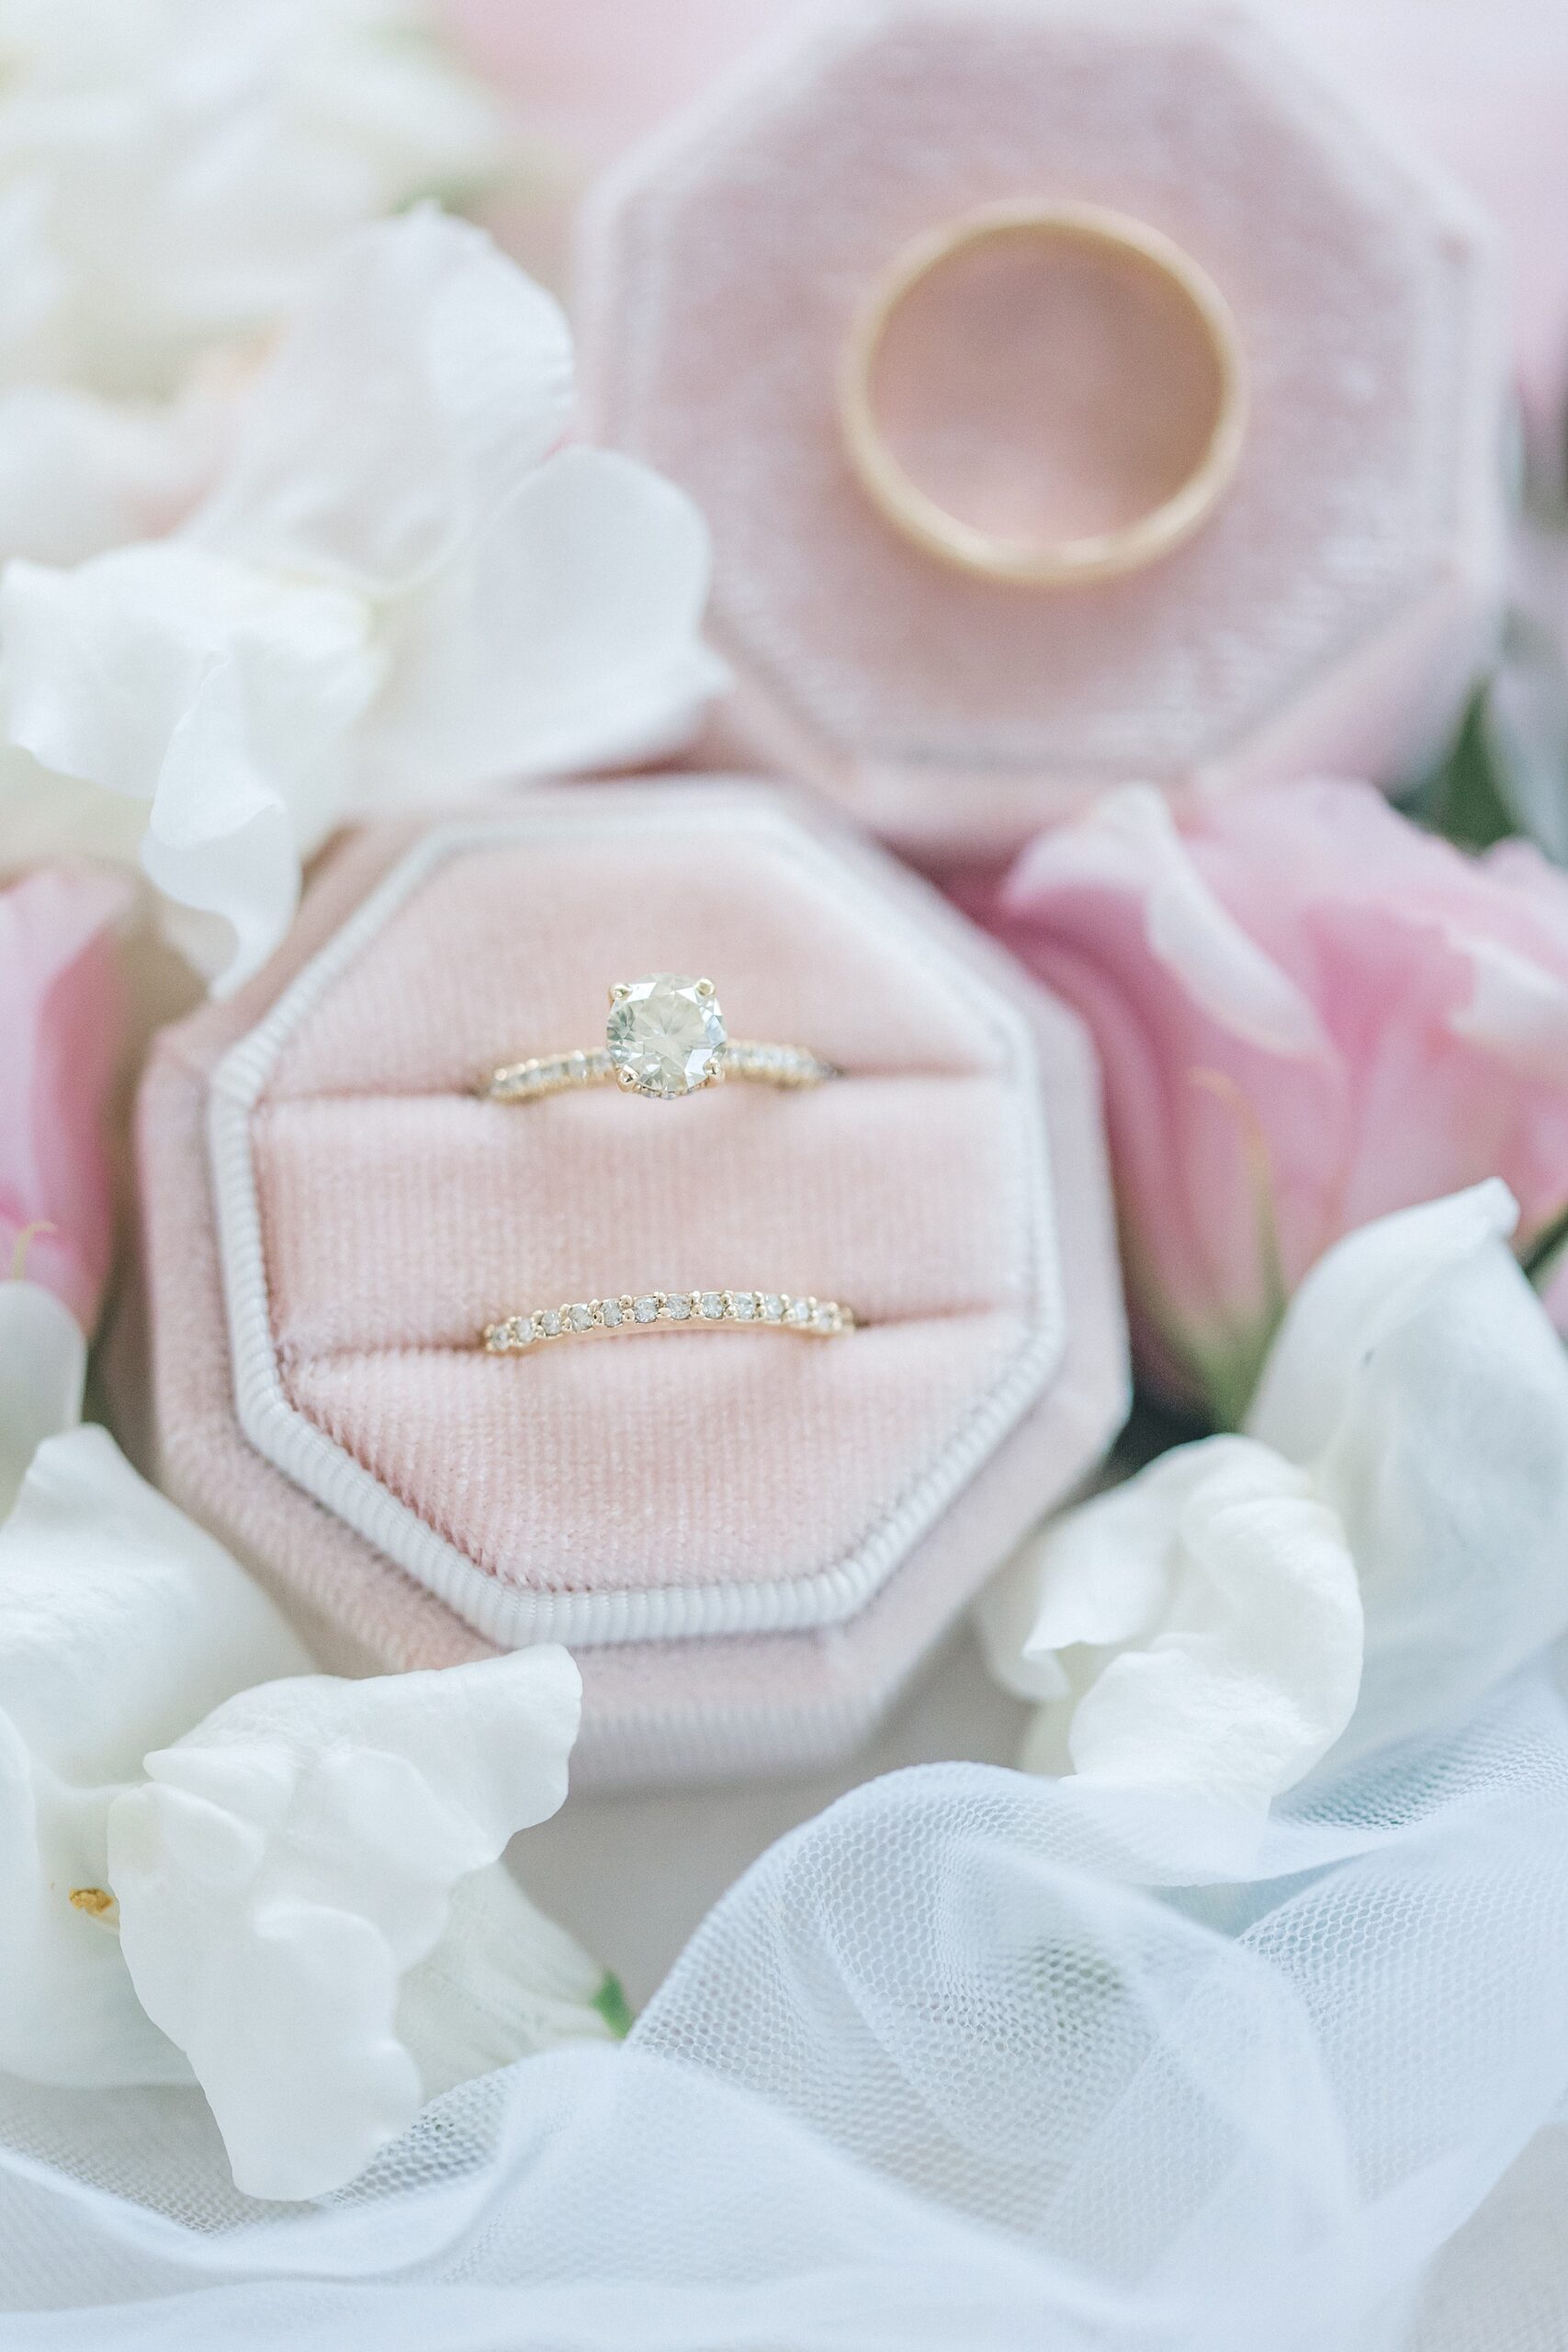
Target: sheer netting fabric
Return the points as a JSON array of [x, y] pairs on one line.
[[971, 2060]]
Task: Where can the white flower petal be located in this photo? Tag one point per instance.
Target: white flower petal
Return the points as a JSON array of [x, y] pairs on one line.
[[120, 1623], [1255, 1671], [425, 378], [1420, 1380], [80, 474], [1211, 1618], [46, 817], [290, 1860], [221, 696], [503, 1982], [1100, 1575], [250, 877], [176, 172], [43, 1363], [1362, 1289], [387, 596], [569, 640]]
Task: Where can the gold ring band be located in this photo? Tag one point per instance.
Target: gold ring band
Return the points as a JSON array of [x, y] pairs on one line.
[[692, 1310], [1058, 562], [665, 1037]]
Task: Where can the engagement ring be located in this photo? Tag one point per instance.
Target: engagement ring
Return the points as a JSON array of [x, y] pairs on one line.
[[665, 1037]]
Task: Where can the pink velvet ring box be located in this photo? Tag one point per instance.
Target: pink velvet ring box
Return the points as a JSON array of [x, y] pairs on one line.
[[1331, 613], [748, 1538]]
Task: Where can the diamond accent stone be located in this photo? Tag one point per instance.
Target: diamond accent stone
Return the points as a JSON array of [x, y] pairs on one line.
[[816, 1319], [667, 1034]]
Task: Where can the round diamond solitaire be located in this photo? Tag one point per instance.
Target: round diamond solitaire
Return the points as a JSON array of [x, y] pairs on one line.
[[666, 1035]]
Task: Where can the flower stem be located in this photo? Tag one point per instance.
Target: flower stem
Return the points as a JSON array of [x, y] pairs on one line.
[[1540, 1256]]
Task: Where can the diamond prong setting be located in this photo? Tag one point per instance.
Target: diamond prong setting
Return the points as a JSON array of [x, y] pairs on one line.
[[665, 1037]]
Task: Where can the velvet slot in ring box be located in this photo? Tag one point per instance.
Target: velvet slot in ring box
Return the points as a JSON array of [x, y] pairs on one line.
[[749, 1539], [1278, 290]]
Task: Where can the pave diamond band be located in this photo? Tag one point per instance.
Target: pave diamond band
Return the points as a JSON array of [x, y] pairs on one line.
[[811, 1319], [665, 1037]]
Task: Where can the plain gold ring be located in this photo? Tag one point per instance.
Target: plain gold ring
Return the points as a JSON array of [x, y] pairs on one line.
[[1059, 562]]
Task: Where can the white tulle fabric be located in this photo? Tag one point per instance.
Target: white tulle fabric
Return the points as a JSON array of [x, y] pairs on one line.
[[976, 2061], [972, 2059]]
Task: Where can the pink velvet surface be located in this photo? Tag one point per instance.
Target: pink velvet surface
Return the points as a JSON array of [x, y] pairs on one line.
[[397, 1211], [1332, 608], [1481, 90]]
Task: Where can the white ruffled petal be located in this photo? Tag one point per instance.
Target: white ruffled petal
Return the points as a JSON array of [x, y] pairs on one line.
[[1097, 1576], [80, 474], [425, 378], [177, 171], [222, 696], [293, 1858], [43, 1365], [120, 1623], [502, 1982], [1360, 1291], [1420, 1381], [1254, 1673], [1394, 1517], [1198, 1629], [567, 641]]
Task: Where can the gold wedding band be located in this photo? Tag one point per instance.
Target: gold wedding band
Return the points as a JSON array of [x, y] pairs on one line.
[[693, 1310], [665, 1037], [1102, 555]]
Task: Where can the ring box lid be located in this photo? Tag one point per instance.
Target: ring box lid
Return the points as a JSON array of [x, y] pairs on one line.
[[1330, 612]]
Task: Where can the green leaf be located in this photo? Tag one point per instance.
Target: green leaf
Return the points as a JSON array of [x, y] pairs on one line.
[[1466, 799], [613, 2006]]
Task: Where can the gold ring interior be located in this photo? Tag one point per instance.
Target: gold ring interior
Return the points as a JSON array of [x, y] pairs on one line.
[[1114, 238]]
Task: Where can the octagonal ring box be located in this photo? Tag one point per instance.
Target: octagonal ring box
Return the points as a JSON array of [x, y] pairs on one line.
[[748, 1538], [1330, 613]]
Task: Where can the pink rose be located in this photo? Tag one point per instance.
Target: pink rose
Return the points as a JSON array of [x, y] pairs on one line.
[[61, 1018], [1308, 1013]]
